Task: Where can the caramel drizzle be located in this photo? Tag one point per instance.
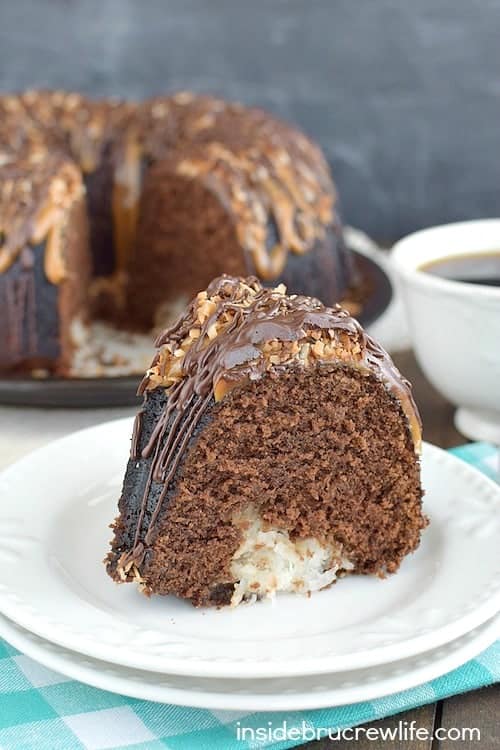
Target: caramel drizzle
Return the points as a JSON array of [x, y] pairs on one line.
[[54, 265], [236, 355], [268, 184], [125, 199], [47, 126], [46, 225]]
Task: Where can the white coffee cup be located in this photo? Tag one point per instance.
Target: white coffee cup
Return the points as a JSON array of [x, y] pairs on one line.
[[455, 326]]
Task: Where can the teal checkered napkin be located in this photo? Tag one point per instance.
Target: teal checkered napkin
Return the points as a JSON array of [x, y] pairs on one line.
[[42, 710]]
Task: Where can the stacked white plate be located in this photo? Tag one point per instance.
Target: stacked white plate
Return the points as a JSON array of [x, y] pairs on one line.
[[361, 639]]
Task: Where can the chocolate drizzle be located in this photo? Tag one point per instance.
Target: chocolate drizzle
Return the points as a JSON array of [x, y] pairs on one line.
[[134, 448], [230, 349]]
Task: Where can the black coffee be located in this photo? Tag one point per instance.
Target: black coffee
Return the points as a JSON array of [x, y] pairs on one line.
[[483, 268]]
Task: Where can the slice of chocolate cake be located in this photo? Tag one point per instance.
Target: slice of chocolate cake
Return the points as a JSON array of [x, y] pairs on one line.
[[277, 448]]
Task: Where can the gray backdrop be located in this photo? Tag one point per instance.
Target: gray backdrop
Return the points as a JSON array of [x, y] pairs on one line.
[[403, 95]]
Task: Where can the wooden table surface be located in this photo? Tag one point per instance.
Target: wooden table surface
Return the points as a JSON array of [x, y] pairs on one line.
[[480, 708]]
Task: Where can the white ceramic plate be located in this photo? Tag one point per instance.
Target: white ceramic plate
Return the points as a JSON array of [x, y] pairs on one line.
[[279, 694], [55, 507]]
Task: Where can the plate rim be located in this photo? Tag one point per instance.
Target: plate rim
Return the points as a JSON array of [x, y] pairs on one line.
[[27, 617], [61, 660]]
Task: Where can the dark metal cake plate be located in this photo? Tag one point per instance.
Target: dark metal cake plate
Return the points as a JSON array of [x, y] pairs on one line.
[[121, 391], [65, 392], [379, 288]]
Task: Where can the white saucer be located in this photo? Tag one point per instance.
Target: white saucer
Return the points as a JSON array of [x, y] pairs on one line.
[[281, 694], [55, 507], [478, 424]]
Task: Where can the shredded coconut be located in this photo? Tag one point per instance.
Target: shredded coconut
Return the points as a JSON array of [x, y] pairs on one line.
[[268, 561], [104, 351]]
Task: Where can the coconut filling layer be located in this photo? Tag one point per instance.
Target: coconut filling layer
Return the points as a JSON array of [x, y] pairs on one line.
[[268, 561]]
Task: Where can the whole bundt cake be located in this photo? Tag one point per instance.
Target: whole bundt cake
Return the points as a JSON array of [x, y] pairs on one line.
[[146, 203], [277, 449]]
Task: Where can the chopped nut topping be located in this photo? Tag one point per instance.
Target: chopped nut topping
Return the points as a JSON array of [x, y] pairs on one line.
[[317, 345]]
